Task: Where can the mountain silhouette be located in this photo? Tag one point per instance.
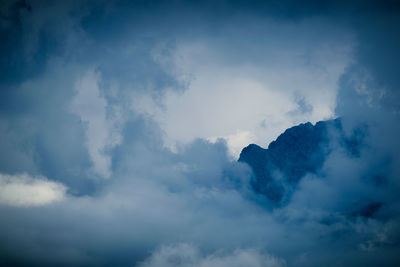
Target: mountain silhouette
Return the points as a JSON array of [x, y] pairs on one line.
[[298, 151]]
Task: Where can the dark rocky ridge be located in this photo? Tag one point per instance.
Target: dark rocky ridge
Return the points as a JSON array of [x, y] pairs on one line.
[[299, 150]]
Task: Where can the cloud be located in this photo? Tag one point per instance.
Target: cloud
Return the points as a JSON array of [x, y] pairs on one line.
[[187, 255], [101, 131], [242, 83], [26, 191], [236, 142]]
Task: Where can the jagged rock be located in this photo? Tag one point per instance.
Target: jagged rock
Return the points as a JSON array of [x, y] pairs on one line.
[[299, 150]]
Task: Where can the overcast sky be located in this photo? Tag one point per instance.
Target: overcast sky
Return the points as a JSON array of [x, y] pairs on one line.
[[121, 123]]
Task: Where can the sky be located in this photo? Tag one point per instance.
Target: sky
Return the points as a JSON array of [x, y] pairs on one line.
[[121, 123]]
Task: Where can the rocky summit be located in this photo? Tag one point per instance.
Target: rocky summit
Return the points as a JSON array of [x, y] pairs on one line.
[[298, 151]]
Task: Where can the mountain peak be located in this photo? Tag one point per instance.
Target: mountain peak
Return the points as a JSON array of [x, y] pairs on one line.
[[299, 150]]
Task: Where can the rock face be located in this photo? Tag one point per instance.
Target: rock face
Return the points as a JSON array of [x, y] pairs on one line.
[[299, 150]]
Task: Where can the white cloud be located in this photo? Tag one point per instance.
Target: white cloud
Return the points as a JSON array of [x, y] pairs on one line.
[[186, 255], [101, 132], [253, 91], [236, 141], [24, 191]]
